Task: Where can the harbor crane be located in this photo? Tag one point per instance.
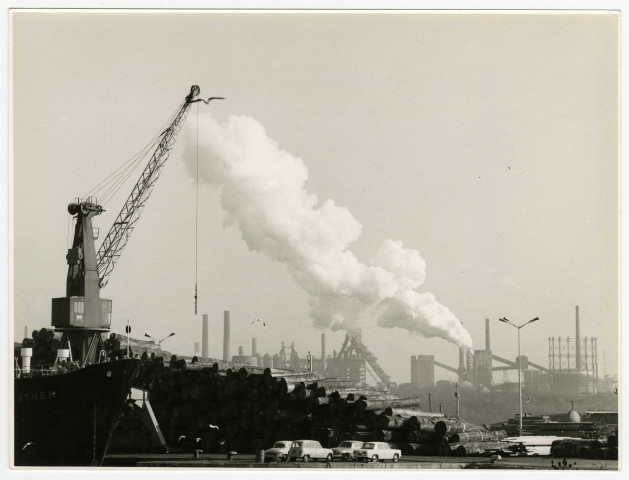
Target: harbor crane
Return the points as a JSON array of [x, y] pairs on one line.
[[82, 315]]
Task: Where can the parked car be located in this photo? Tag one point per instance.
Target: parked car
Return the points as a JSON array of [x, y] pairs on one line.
[[278, 452], [376, 451], [309, 450], [345, 450]]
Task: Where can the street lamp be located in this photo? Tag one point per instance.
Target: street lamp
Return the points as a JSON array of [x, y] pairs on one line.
[[508, 322], [159, 342]]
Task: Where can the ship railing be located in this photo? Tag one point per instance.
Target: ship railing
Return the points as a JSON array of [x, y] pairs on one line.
[[34, 371], [44, 370]]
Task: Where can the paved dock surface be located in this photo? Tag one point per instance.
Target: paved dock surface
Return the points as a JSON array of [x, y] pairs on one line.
[[247, 461]]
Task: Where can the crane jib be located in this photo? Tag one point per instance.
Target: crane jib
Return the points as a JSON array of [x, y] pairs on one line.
[[119, 234]]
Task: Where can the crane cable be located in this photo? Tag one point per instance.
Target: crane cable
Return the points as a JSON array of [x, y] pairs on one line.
[[117, 179], [196, 223]]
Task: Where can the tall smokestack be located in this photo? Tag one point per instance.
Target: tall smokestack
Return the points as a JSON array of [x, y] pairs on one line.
[[578, 342], [487, 338], [204, 337], [461, 359], [254, 347], [226, 356], [25, 331], [241, 351], [323, 351]]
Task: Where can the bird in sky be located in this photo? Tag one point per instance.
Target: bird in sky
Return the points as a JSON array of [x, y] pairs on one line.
[[258, 320], [213, 98]]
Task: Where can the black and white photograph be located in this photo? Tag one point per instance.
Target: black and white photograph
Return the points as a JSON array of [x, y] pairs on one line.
[[381, 241]]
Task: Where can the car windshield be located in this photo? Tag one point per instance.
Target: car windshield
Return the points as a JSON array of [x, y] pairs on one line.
[[279, 445], [345, 444], [368, 445]]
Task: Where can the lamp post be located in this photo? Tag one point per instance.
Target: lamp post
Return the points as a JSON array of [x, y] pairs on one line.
[[159, 342], [518, 327]]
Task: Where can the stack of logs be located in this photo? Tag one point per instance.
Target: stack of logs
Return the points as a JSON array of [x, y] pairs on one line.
[[450, 436], [44, 345], [200, 407], [599, 449]]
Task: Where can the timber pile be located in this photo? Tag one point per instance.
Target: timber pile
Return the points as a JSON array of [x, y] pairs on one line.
[[600, 449], [200, 406], [450, 436], [44, 343]]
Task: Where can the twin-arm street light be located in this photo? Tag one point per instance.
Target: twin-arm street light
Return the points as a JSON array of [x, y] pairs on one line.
[[507, 321], [159, 342]]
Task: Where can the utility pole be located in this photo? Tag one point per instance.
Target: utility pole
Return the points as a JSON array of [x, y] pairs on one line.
[[457, 396], [519, 362], [429, 402], [128, 330]]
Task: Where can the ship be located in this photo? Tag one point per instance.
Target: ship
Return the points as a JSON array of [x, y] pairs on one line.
[[67, 406], [68, 418]]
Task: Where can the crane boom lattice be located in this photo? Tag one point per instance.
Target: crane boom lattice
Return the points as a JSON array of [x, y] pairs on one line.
[[123, 226]]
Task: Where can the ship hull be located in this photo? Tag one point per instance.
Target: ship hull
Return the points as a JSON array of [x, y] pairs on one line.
[[68, 419]]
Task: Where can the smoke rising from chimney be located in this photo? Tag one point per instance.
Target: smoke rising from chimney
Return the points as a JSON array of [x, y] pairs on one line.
[[262, 189]]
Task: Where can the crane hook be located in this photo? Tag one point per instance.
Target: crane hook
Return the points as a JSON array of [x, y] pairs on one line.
[[194, 92]]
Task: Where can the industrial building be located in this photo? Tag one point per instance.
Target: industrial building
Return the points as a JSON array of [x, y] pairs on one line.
[[572, 367], [572, 364]]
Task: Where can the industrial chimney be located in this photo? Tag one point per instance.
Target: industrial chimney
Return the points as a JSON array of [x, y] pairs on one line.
[[578, 342], [323, 352], [254, 347], [226, 356], [487, 338], [461, 359], [204, 337]]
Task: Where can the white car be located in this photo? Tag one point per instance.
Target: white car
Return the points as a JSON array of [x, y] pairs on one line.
[[376, 451], [278, 452], [309, 450], [345, 450]]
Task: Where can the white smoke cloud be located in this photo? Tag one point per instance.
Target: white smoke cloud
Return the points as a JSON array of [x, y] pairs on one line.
[[262, 189]]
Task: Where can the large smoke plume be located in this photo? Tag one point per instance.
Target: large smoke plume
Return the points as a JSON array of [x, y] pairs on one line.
[[262, 189]]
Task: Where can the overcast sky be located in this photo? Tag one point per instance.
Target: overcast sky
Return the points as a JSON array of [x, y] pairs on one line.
[[487, 143]]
